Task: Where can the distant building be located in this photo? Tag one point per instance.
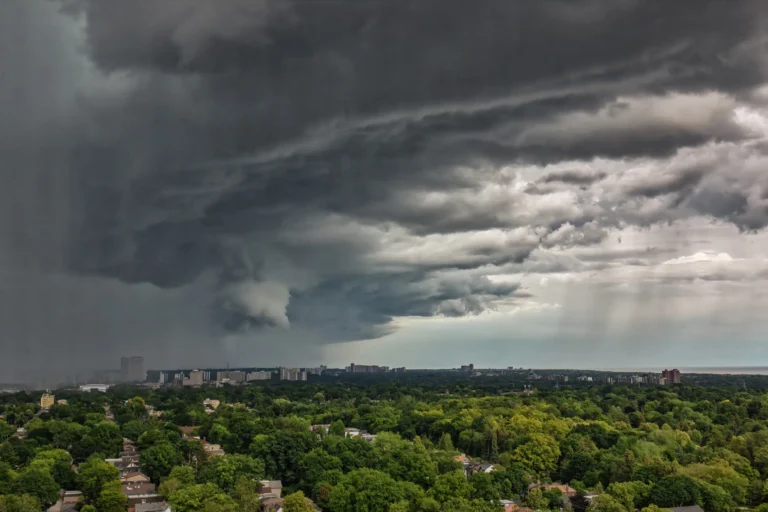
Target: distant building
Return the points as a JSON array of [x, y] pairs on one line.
[[62, 402], [362, 368], [258, 376], [47, 400], [316, 371], [195, 379], [272, 487], [565, 489], [132, 369], [293, 374], [95, 387], [214, 404], [468, 367], [671, 376], [237, 376]]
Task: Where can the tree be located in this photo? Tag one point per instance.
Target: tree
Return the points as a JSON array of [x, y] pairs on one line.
[[93, 474], [337, 428], [168, 487], [157, 461], [38, 482], [184, 474], [23, 503], [483, 487], [400, 506], [675, 491], [193, 498], [722, 474], [631, 495], [134, 428], [540, 453], [445, 443], [714, 498], [654, 508], [536, 500], [365, 490], [450, 485], [112, 499], [247, 495], [225, 470], [464, 505], [315, 463], [606, 503], [297, 502]]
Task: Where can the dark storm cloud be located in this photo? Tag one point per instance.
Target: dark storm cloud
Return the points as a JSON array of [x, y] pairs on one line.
[[679, 182], [361, 306], [573, 177], [214, 129], [251, 113]]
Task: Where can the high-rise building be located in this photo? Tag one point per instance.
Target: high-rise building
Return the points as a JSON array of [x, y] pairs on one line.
[[237, 376], [671, 376], [294, 374], [195, 379], [258, 376], [363, 368], [47, 400], [132, 369], [468, 367]]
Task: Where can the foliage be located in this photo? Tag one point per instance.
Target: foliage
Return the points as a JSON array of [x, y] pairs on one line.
[[112, 499], [157, 461], [19, 503], [37, 481], [297, 502], [640, 448]]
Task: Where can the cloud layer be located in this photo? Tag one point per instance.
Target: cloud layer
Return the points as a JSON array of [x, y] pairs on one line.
[[333, 167]]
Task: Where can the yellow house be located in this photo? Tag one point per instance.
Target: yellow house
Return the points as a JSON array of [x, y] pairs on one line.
[[47, 400]]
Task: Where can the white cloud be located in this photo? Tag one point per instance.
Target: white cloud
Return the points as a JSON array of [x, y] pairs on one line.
[[709, 257]]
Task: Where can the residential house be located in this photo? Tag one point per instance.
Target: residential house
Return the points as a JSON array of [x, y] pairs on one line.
[[566, 489], [138, 488], [365, 436], [212, 449], [135, 477], [142, 499], [271, 488], [514, 506], [472, 467], [186, 432], [319, 428], [160, 506]]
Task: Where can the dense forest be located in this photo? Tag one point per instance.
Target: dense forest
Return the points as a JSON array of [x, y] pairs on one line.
[[620, 448]]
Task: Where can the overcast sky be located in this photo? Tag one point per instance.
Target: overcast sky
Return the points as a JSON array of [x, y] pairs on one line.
[[549, 183]]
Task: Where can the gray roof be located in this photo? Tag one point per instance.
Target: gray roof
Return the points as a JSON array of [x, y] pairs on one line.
[[151, 507]]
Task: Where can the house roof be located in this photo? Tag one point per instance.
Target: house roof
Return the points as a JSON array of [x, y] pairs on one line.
[[134, 474], [151, 507], [138, 488], [272, 484], [564, 488]]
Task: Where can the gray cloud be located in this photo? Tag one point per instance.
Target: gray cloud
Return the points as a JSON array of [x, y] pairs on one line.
[[305, 165]]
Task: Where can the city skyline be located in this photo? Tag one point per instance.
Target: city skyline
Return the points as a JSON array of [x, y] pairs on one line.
[[540, 183]]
